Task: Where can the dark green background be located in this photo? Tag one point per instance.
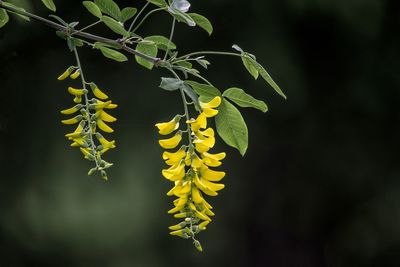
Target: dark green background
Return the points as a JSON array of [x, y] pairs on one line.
[[319, 186]]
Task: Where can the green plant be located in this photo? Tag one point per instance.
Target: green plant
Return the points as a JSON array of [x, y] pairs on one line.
[[190, 165]]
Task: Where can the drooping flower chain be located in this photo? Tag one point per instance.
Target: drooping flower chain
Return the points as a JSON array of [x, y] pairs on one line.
[[190, 171], [92, 116]]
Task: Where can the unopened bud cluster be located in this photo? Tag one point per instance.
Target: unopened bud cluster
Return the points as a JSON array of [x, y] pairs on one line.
[[89, 115]]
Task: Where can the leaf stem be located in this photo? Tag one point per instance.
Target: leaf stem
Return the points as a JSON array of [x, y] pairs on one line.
[[210, 53], [145, 17], [87, 27], [138, 15], [170, 38]]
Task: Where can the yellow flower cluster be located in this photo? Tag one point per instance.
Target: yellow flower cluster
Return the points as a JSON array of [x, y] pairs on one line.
[[92, 116], [190, 171]]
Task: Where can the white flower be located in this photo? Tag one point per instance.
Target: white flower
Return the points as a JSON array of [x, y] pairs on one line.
[[181, 5]]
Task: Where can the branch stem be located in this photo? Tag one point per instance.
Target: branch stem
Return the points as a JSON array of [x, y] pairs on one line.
[[82, 34]]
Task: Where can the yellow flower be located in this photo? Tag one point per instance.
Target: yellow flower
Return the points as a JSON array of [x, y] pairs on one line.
[[103, 105], [77, 92], [105, 116], [203, 145], [175, 172], [97, 92], [72, 110], [174, 158], [168, 127], [78, 131], [76, 74], [104, 142], [209, 107], [103, 126], [74, 120], [66, 73], [172, 142], [213, 160], [210, 175], [199, 123]]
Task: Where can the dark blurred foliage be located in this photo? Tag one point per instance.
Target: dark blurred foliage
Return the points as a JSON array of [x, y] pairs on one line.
[[319, 186]]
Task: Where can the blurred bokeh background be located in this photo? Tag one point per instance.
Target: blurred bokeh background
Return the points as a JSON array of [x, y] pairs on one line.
[[319, 186]]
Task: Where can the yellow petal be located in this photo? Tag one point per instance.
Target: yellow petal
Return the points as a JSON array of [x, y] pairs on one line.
[[210, 112], [74, 120], [199, 183], [104, 127], [211, 175], [72, 110], [203, 225], [77, 92], [212, 186], [174, 173], [165, 128], [202, 216], [76, 74], [99, 94], [66, 73], [172, 142], [219, 156], [105, 116], [214, 103], [199, 123], [175, 157], [196, 196], [104, 142]]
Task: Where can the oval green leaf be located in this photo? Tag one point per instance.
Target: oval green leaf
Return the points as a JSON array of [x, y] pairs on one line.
[[244, 100], [113, 54], [231, 127], [93, 8], [109, 7], [162, 42], [49, 4], [148, 48], [202, 22], [115, 26], [3, 18], [205, 91], [127, 13]]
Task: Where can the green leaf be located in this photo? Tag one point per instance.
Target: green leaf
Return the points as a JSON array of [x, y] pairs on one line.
[[59, 19], [265, 76], [191, 94], [109, 7], [249, 66], [244, 100], [161, 42], [205, 91], [3, 18], [115, 26], [93, 8], [181, 17], [50, 5], [160, 3], [18, 8], [111, 45], [77, 42], [148, 48], [171, 84], [127, 13], [202, 22], [113, 54], [232, 127]]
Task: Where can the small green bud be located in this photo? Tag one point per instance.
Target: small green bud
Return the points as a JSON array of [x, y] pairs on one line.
[[198, 245]]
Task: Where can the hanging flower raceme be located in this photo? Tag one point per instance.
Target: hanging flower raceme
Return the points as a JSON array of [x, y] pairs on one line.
[[90, 115], [190, 171]]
